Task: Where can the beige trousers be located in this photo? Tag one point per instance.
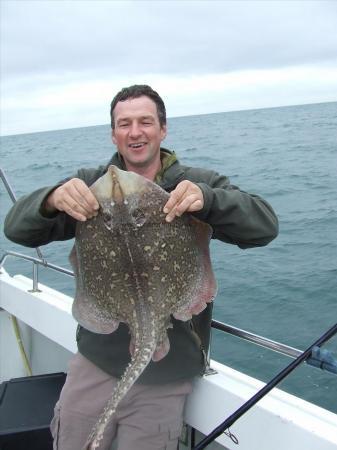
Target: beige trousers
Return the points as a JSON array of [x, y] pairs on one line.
[[148, 418]]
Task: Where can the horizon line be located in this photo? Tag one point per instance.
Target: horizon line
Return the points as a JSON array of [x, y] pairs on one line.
[[169, 117]]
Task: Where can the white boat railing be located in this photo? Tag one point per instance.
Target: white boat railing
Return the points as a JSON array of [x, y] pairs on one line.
[[12, 196], [259, 340], [238, 332], [36, 263]]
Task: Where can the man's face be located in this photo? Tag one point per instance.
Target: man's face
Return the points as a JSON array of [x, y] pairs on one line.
[[137, 133]]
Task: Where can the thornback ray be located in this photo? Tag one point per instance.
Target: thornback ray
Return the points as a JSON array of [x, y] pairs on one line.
[[132, 266]]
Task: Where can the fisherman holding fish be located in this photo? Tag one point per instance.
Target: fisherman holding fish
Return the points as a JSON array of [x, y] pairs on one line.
[[148, 413]]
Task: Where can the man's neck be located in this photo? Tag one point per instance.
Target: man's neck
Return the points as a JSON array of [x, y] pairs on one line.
[[148, 172]]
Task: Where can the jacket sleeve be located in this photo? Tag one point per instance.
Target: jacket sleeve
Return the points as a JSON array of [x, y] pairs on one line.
[[236, 217], [27, 223]]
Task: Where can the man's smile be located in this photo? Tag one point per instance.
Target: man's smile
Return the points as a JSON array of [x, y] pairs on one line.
[[137, 145]]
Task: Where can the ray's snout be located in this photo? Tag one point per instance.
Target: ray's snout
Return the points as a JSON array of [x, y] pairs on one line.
[[117, 194]]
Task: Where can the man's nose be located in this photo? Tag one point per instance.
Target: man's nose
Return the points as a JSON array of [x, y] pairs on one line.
[[135, 130]]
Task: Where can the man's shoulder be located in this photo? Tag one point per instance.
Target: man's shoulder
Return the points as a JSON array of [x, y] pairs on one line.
[[197, 174], [178, 169], [200, 175], [91, 174]]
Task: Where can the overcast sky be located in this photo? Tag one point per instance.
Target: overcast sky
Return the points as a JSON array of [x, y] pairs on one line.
[[63, 61]]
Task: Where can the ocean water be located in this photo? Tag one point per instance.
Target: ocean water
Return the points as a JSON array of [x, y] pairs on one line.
[[285, 291]]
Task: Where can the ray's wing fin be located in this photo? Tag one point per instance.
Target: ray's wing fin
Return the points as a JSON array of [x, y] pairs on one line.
[[83, 309], [204, 286]]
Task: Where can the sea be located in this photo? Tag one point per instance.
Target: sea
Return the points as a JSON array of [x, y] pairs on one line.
[[285, 291]]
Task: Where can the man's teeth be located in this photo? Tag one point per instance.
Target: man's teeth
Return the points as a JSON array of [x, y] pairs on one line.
[[136, 145]]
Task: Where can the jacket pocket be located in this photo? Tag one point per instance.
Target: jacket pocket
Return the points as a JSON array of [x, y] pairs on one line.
[[173, 438], [171, 435]]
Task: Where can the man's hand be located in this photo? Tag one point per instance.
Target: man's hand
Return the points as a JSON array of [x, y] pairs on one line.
[[186, 197], [75, 198]]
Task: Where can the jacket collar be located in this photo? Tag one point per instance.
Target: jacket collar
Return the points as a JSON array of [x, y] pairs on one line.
[[170, 174]]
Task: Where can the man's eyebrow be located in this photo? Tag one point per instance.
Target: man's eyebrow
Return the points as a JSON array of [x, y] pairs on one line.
[[127, 118], [148, 117], [123, 119]]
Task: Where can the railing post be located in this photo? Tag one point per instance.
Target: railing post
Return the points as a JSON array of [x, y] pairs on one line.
[[35, 278], [209, 369]]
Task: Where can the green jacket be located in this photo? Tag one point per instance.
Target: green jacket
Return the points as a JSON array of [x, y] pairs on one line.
[[236, 217]]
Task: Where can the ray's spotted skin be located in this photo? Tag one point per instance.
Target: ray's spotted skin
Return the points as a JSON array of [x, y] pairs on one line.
[[133, 266]]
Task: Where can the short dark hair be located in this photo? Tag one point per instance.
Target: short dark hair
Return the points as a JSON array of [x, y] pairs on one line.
[[135, 91]]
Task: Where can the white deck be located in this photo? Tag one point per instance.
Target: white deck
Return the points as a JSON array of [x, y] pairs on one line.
[[279, 421]]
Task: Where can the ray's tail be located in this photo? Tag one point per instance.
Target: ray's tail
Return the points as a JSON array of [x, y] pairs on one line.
[[140, 359]]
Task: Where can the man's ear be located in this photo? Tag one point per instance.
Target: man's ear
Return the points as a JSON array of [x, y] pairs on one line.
[[163, 132], [113, 137]]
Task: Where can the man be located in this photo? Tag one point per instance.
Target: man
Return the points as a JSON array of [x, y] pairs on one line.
[[150, 416]]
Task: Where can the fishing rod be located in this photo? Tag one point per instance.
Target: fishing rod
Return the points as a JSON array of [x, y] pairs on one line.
[[264, 391]]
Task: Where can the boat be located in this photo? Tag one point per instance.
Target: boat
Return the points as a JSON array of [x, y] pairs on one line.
[[37, 338]]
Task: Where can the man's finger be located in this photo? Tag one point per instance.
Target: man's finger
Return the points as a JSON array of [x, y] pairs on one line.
[[171, 215], [76, 210], [87, 196], [84, 197], [190, 203], [175, 197], [186, 197]]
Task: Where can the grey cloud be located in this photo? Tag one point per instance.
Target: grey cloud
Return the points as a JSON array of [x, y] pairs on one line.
[[95, 38]]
